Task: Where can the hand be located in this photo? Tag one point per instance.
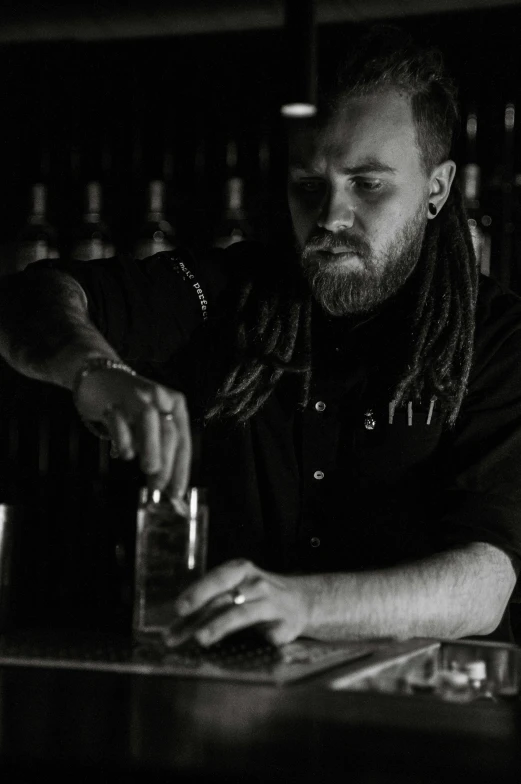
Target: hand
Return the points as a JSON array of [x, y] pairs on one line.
[[142, 418], [206, 609]]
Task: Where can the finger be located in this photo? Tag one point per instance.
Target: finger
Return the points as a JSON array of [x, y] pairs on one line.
[[145, 394], [279, 633], [164, 397], [177, 633], [218, 581], [182, 462], [120, 433], [183, 454], [234, 619], [149, 437], [169, 441], [182, 629]]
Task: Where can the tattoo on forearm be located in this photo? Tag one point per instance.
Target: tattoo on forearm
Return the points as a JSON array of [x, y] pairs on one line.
[[40, 315]]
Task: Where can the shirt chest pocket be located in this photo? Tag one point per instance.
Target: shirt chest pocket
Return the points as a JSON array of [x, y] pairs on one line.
[[389, 453]]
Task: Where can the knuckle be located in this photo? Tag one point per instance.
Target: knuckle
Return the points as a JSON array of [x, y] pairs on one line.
[[148, 465], [122, 438], [259, 585], [278, 635], [244, 615], [211, 629], [186, 599], [179, 402], [144, 395], [240, 563]]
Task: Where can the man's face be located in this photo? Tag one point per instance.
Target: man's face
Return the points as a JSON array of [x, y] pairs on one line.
[[358, 198]]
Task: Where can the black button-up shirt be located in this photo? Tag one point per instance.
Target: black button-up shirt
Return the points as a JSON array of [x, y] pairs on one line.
[[338, 486]]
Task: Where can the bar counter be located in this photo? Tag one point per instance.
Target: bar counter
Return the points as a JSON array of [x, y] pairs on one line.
[[101, 726]]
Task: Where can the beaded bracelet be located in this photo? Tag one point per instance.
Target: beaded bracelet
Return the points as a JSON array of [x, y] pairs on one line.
[[90, 366]]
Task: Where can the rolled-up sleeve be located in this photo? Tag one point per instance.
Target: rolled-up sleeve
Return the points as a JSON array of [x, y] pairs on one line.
[[482, 497], [148, 309]]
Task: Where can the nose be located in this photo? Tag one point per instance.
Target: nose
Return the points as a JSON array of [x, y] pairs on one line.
[[337, 212]]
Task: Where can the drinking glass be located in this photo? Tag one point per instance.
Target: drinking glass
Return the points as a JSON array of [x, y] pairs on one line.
[[171, 545]]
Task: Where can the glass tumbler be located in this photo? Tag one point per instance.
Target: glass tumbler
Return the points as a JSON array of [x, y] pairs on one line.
[[171, 544], [10, 518]]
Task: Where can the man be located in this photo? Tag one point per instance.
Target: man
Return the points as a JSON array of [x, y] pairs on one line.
[[361, 400]]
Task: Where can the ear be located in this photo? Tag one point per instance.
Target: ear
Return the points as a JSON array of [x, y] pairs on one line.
[[439, 185]]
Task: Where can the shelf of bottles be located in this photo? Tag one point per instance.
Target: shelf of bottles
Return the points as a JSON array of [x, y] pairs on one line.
[[493, 205], [132, 147], [239, 216], [158, 218]]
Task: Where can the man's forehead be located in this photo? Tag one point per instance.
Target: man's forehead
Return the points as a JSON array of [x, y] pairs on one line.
[[377, 127]]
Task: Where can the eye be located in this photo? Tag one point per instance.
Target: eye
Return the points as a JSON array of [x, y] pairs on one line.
[[370, 186], [309, 186]]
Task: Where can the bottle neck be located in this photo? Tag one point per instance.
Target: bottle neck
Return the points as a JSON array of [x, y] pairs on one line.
[[472, 184], [234, 195], [156, 200], [93, 202], [38, 201]]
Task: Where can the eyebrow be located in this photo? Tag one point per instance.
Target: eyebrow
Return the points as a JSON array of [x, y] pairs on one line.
[[369, 165], [365, 167]]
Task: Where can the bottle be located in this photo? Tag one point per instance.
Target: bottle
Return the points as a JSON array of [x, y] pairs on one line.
[[156, 233], [453, 685], [478, 222], [37, 240], [92, 239], [171, 541], [507, 263], [478, 680], [233, 225]]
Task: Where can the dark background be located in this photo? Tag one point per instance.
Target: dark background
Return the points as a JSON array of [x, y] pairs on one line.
[[126, 110]]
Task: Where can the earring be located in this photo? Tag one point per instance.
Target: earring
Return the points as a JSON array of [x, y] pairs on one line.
[[433, 209]]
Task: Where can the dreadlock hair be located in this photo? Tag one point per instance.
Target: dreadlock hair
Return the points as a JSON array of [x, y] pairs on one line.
[[272, 336], [443, 319], [273, 325]]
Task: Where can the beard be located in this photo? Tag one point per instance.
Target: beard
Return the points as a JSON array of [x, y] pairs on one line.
[[340, 290]]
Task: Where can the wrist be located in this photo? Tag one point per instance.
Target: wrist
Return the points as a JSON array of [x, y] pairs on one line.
[[62, 369], [89, 366], [310, 596], [329, 600]]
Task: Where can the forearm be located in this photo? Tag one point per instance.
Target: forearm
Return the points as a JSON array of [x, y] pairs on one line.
[[45, 330], [454, 594]]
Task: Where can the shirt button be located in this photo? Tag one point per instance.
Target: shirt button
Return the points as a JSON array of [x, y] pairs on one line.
[[314, 541], [318, 474], [320, 405]]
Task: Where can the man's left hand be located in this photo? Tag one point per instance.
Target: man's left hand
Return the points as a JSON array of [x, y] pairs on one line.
[[238, 595]]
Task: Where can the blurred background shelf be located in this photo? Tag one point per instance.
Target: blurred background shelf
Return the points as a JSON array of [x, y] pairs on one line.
[[118, 19], [125, 95]]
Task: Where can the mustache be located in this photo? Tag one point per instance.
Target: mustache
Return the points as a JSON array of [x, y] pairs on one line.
[[323, 240]]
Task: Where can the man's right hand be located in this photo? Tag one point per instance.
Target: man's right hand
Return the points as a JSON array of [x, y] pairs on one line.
[[143, 418]]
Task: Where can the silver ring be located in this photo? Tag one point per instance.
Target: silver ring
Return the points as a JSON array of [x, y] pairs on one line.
[[237, 596], [167, 416]]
